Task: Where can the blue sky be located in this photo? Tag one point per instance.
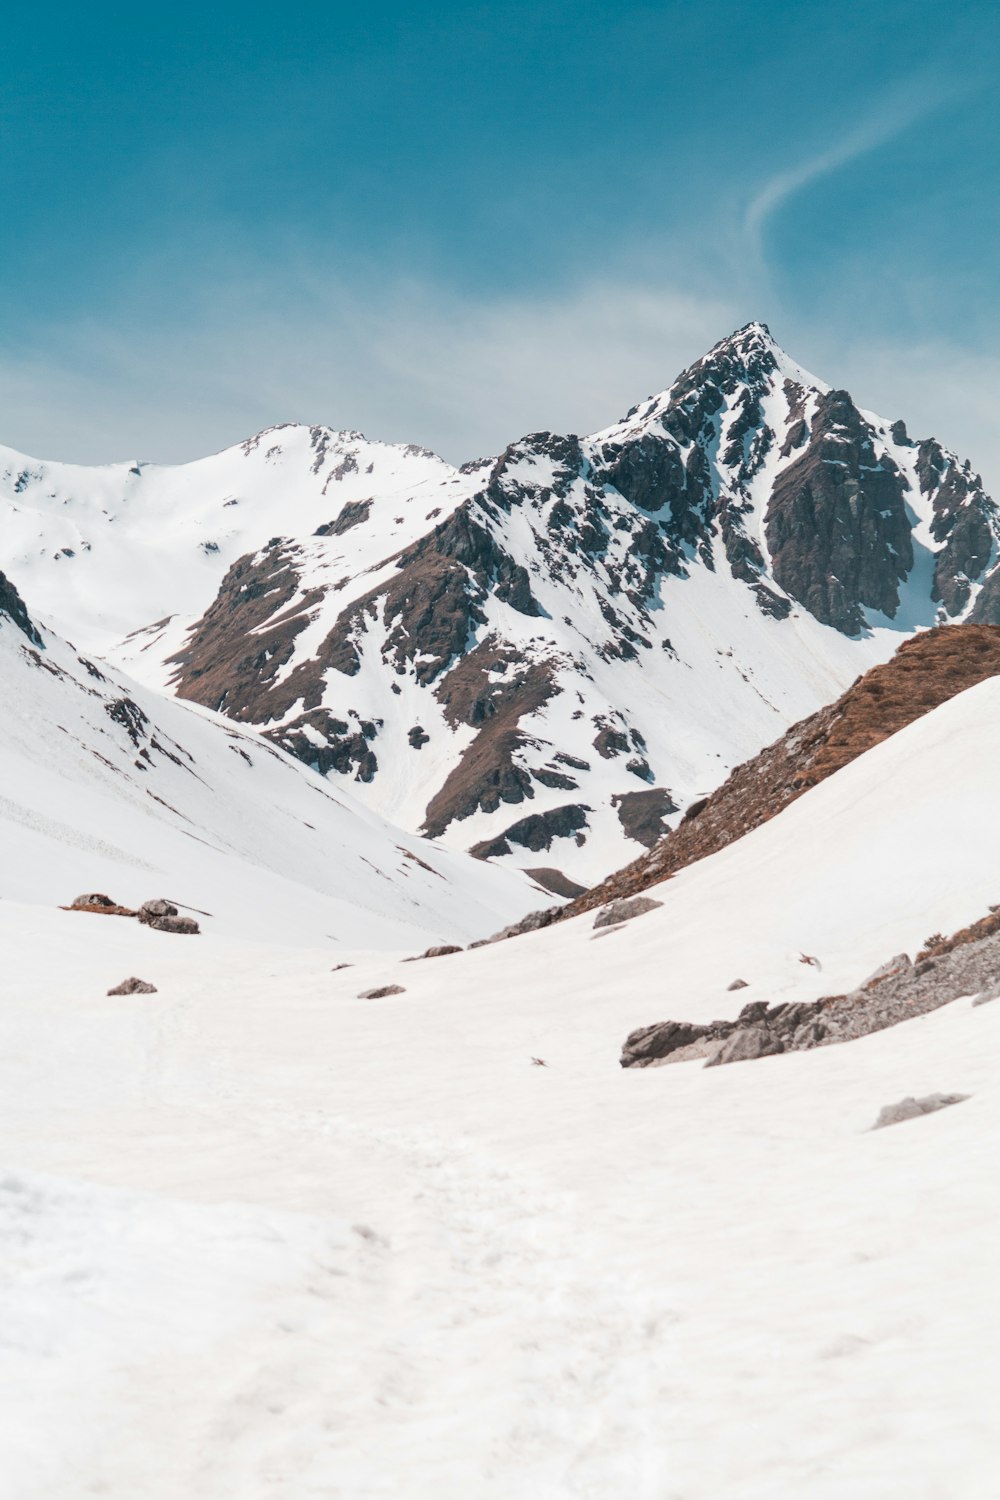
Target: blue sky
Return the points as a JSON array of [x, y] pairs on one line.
[[452, 223]]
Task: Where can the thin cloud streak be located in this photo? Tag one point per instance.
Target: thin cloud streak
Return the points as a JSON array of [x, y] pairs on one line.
[[885, 123]]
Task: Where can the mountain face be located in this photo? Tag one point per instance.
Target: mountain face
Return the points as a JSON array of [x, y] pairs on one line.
[[928, 670], [106, 786], [542, 657]]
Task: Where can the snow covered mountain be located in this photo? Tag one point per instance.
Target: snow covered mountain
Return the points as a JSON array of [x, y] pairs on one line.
[[106, 786], [293, 1242], [542, 657]]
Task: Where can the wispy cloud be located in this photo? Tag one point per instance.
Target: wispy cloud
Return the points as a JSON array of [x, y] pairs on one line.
[[884, 123], [408, 361], [423, 363]]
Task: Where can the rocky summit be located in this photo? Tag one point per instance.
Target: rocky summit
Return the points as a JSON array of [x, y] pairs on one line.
[[555, 651]]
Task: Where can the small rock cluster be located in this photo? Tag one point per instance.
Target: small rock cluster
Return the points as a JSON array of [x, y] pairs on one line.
[[158, 913], [898, 991], [163, 915]]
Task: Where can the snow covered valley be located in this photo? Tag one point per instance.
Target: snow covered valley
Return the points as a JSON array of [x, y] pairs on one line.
[[264, 1239]]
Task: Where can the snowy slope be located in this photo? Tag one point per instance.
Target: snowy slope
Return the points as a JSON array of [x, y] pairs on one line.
[[545, 656], [105, 786], [288, 1243]]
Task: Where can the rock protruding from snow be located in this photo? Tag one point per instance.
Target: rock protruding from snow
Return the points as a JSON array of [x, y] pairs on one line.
[[13, 608], [968, 963], [134, 986], [531, 923], [911, 1108], [164, 917], [381, 991], [624, 911]]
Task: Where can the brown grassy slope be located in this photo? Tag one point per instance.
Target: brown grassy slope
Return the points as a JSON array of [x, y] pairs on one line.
[[926, 671]]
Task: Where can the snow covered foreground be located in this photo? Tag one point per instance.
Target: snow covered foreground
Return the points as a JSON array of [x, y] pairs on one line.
[[261, 1238]]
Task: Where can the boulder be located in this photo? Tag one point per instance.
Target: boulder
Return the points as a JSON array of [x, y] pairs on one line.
[[134, 986], [163, 916], [746, 1044], [625, 910], [96, 899], [157, 908], [911, 1108], [441, 951], [737, 984], [650, 1044], [381, 991]]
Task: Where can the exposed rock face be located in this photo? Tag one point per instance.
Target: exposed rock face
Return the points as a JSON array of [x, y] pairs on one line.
[[134, 987], [555, 881], [235, 654], [446, 642], [537, 831], [13, 608], [643, 814], [837, 527]]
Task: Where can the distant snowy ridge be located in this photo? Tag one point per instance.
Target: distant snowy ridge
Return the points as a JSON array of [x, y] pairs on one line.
[[543, 657], [108, 786]]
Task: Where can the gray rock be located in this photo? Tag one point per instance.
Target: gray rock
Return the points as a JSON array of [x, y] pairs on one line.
[[157, 908], [169, 924], [441, 951], [911, 1108], [650, 1044], [134, 986], [737, 984], [96, 899], [625, 910], [756, 1010], [381, 991], [993, 993], [531, 923], [746, 1044], [893, 966]]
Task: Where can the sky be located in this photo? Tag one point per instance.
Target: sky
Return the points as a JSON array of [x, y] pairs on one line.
[[453, 224]]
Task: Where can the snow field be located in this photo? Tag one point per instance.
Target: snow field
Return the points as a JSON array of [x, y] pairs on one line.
[[568, 1281]]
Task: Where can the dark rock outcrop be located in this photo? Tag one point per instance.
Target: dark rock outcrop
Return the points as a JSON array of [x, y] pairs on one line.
[[535, 832], [381, 991], [134, 987], [837, 527], [13, 608]]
